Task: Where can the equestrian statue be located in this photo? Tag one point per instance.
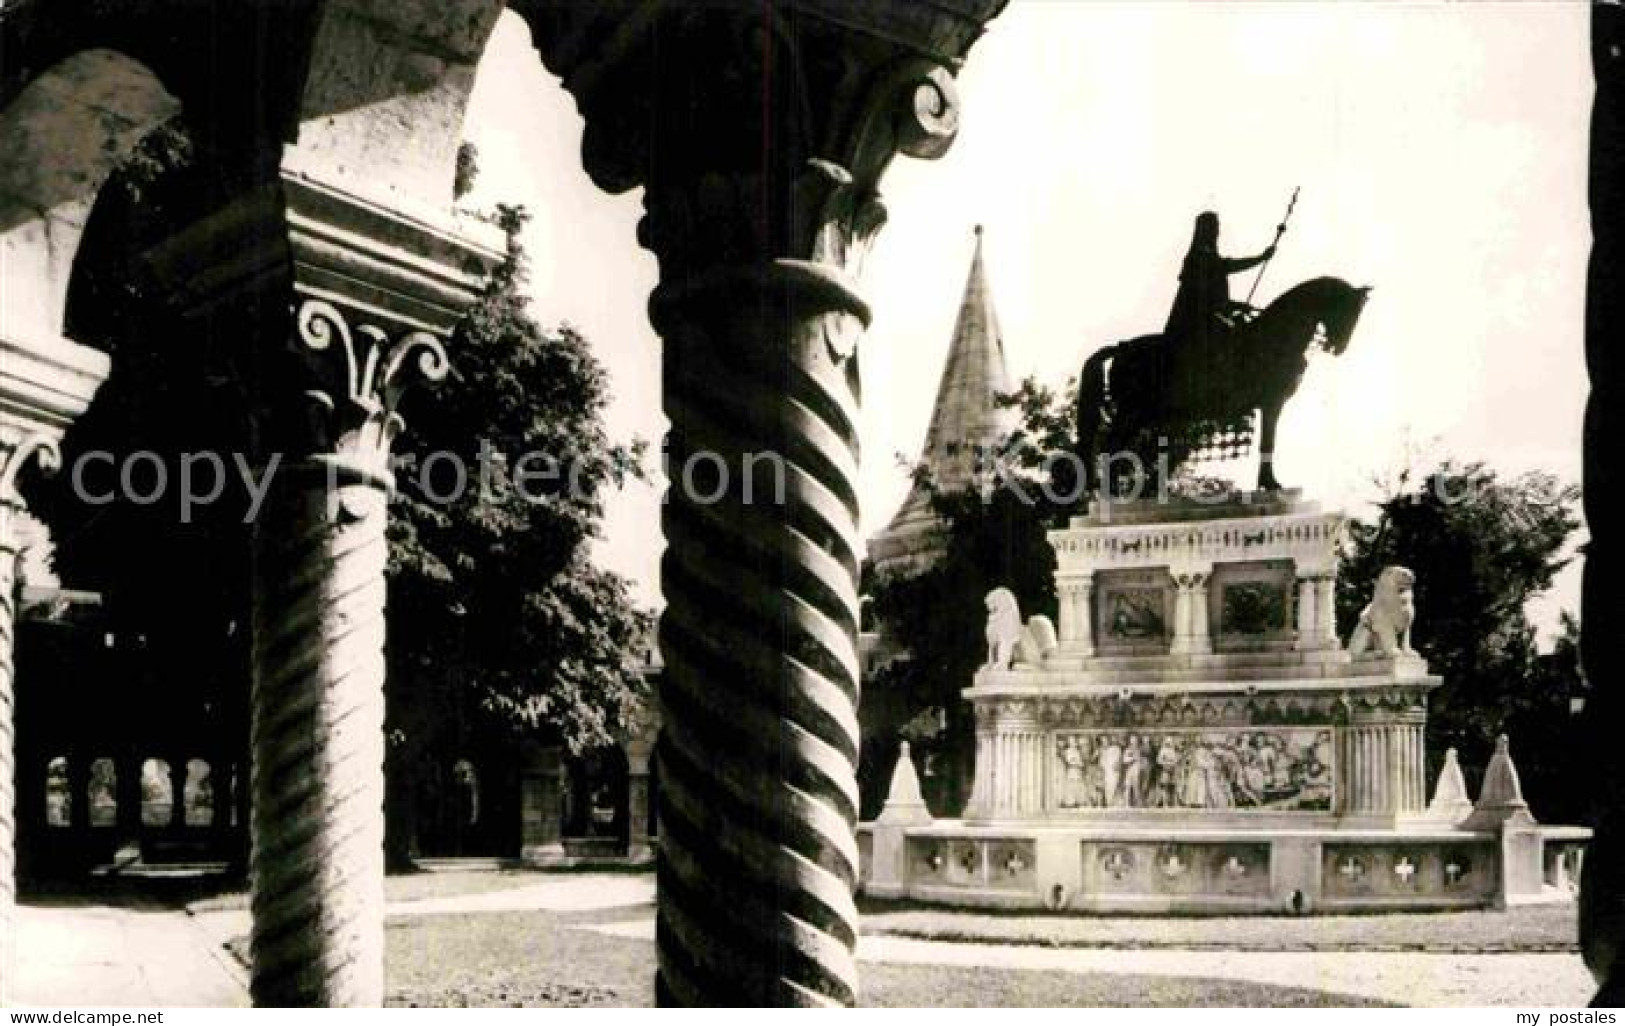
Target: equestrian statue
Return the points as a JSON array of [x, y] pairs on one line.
[[1194, 389]]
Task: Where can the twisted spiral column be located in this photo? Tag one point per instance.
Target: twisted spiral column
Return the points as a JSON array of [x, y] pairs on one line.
[[318, 699], [758, 756], [18, 446], [8, 750], [318, 742]]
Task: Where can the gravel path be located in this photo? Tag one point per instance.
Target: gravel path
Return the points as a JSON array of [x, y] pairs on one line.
[[1410, 978]]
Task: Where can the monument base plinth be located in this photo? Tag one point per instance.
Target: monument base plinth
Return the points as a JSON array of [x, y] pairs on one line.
[[1195, 740]]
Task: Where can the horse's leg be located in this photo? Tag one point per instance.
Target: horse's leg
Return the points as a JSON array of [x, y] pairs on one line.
[[1268, 416]]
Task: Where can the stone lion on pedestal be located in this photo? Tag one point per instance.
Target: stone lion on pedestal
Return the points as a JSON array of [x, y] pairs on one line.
[[1384, 628], [1003, 628], [1008, 640]]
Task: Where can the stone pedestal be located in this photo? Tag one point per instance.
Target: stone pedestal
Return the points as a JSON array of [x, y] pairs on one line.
[[1523, 876], [1011, 764], [1201, 743], [887, 854], [1382, 750]]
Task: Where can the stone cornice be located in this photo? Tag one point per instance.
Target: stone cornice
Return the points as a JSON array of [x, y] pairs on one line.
[[1037, 685], [1309, 539], [43, 387], [301, 236]]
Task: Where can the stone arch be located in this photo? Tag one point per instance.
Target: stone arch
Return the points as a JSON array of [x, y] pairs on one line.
[[596, 808], [381, 109], [63, 134]]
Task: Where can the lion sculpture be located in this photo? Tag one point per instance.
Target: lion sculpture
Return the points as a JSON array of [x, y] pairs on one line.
[[1009, 642], [1038, 640], [1003, 628], [1384, 628]]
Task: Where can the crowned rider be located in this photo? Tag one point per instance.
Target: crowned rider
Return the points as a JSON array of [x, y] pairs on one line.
[[1203, 307]]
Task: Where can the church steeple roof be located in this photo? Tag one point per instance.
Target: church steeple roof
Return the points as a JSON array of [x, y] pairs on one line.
[[966, 416]]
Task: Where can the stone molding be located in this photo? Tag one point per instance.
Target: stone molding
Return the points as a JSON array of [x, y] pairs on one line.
[[1172, 706], [298, 236], [1308, 539]]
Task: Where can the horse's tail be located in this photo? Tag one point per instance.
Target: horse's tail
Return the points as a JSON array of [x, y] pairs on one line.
[[1091, 415]]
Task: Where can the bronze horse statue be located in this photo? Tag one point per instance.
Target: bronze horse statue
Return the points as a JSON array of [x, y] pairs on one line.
[[1154, 391]]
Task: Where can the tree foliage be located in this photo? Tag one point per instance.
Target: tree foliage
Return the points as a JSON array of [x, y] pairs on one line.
[[1482, 546], [992, 536], [494, 597]]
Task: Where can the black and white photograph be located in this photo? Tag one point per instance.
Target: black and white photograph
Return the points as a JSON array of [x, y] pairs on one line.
[[897, 504]]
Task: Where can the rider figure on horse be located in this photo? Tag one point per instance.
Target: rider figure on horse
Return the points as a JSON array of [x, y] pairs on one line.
[[1203, 307]]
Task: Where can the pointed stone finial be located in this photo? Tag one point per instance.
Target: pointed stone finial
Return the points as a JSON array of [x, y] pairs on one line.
[[1450, 802], [905, 806], [1501, 798]]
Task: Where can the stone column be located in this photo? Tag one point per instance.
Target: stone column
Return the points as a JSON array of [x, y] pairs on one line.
[[1077, 616], [177, 791], [980, 804], [79, 788], [1383, 770], [541, 810], [1201, 643], [127, 786], [638, 750], [767, 130], [1308, 621], [344, 311], [1011, 763], [16, 450], [318, 691], [1602, 885], [1326, 610], [42, 389], [1190, 615], [222, 777], [1181, 641]]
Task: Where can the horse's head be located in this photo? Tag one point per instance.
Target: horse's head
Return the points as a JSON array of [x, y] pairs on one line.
[[1342, 313]]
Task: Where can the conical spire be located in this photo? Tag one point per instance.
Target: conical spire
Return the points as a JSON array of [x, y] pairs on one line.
[[967, 416], [1450, 801], [904, 803], [1501, 797]]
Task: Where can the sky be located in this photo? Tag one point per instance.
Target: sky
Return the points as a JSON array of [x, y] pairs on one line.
[[1441, 154]]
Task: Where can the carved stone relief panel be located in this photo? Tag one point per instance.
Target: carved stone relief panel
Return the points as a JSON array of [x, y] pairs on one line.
[[1134, 611], [1271, 768]]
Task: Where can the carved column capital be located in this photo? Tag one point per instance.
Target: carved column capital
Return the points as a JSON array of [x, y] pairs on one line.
[[18, 448], [357, 374], [811, 200], [762, 158]]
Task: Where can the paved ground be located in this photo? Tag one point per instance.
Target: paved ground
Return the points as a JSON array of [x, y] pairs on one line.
[[74, 955], [77, 955]]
